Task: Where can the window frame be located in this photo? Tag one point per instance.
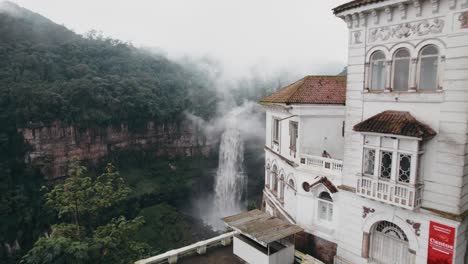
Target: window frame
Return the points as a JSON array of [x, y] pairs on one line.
[[394, 60], [293, 124], [328, 204], [419, 68], [371, 70], [276, 133], [414, 158]]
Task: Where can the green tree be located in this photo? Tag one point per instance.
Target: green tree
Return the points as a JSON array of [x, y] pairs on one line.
[[83, 197]]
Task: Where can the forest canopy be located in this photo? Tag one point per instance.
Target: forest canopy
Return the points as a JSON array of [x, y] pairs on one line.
[[49, 73]]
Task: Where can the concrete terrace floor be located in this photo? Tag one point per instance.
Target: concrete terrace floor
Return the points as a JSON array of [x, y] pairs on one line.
[[215, 255]]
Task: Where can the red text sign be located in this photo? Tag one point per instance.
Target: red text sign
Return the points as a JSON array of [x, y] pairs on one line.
[[441, 244]]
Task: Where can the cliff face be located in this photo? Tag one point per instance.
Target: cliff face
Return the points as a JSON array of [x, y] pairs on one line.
[[55, 145]]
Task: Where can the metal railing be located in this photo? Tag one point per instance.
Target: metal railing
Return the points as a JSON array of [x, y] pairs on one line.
[[321, 164], [403, 195], [198, 248]]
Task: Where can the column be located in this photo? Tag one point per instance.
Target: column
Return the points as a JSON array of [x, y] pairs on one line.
[[366, 76], [388, 80], [365, 245], [413, 72], [440, 74]]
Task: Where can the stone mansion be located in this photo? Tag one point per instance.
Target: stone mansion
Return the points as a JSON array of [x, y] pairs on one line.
[[373, 166]]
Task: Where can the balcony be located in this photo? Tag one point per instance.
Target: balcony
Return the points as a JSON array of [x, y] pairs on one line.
[[402, 195], [321, 164]]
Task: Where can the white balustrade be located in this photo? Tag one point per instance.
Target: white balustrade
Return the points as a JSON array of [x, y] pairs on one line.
[[275, 146], [403, 195], [321, 164], [198, 248]]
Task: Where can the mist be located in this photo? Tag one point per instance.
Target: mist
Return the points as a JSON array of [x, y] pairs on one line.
[[273, 36]]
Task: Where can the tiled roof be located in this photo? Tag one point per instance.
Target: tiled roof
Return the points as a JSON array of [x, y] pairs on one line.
[[354, 4], [396, 123], [311, 90]]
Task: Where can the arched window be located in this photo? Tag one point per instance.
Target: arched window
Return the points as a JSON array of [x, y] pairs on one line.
[[274, 178], [389, 242], [401, 68], [378, 71], [325, 207], [428, 68], [267, 176], [282, 185]]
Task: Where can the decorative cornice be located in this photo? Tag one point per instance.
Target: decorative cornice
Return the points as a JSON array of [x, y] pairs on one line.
[[403, 10], [389, 13], [349, 21], [375, 15], [355, 20], [362, 19]]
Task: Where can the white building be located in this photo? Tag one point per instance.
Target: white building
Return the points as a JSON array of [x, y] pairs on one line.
[[377, 172]]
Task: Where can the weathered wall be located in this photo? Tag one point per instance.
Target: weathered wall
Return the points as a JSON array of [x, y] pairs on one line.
[[317, 247], [53, 146]]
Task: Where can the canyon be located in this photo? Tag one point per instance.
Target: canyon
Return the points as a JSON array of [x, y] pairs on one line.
[[53, 146]]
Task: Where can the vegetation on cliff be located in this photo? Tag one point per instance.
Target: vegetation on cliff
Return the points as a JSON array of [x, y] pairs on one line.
[[49, 73]]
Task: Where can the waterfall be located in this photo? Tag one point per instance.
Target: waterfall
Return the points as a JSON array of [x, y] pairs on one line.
[[230, 176], [230, 181], [242, 123]]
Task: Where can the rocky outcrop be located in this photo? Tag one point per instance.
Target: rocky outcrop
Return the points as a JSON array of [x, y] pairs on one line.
[[53, 146]]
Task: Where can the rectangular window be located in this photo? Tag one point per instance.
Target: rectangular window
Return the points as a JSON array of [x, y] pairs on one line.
[[276, 129], [386, 164], [404, 171], [325, 210], [369, 161], [293, 133]]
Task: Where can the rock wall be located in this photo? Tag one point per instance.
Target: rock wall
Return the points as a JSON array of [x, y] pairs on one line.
[[53, 146]]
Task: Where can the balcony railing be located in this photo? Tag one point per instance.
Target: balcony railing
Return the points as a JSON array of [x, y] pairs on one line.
[[275, 146], [198, 248], [406, 196], [321, 164]]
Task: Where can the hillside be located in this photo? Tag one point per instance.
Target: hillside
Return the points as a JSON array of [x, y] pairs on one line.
[[50, 75]]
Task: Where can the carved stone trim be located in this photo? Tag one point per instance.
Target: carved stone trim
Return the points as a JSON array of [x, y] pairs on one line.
[[403, 10], [357, 37], [435, 6], [362, 19], [452, 4], [415, 226], [418, 7], [355, 20], [405, 30], [389, 13], [348, 21], [375, 15], [366, 211]]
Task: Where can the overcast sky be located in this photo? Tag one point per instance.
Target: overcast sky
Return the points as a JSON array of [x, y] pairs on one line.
[[296, 35]]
